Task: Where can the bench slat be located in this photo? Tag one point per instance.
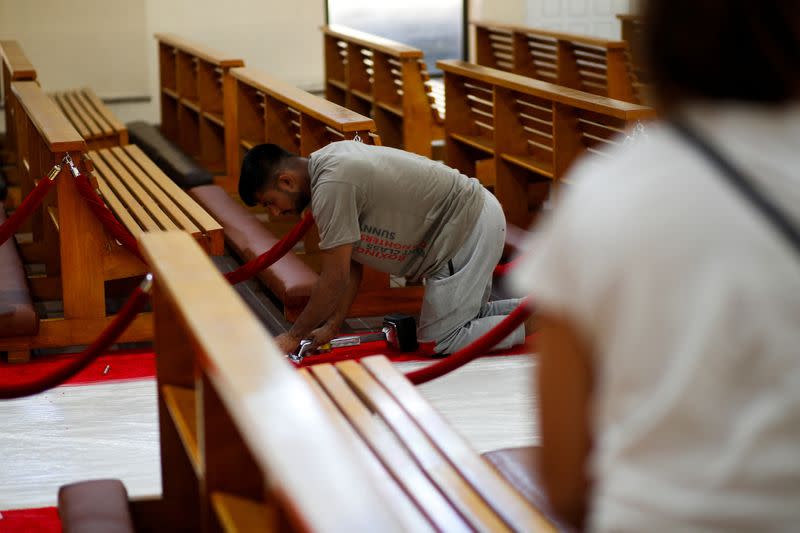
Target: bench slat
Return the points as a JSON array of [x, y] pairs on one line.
[[463, 496], [72, 115], [114, 203], [141, 196], [88, 119], [98, 104], [409, 513], [519, 514], [196, 213], [166, 203], [99, 118], [393, 456], [126, 202]]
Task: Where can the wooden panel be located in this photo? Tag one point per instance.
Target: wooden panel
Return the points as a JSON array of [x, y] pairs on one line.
[[461, 495], [518, 513], [391, 453]]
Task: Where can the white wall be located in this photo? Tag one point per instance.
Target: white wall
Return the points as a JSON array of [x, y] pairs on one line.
[[585, 17]]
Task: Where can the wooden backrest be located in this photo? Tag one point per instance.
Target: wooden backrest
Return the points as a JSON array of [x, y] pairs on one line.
[[196, 101], [16, 67], [245, 443], [597, 66], [520, 135], [272, 111], [384, 79]]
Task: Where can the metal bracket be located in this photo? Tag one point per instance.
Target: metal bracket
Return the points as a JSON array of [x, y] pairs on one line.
[[71, 164], [147, 283], [300, 354]]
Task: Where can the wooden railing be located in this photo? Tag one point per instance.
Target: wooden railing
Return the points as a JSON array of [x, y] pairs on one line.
[[519, 135], [16, 67], [593, 65], [632, 29], [386, 80], [197, 105]]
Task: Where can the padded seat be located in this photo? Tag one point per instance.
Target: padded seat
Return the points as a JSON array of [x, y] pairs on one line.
[[289, 279], [181, 168], [95, 506], [520, 466], [17, 314]]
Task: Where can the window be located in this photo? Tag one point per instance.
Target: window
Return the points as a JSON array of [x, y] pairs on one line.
[[435, 26]]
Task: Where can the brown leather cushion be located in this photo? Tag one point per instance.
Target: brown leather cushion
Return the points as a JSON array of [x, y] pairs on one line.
[[520, 466], [99, 505], [289, 279], [17, 314]]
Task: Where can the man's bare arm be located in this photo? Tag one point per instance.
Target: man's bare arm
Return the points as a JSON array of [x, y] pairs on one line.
[[326, 297], [327, 331]]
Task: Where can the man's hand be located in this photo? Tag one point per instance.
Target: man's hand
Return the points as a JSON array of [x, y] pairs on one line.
[[322, 335], [287, 343]]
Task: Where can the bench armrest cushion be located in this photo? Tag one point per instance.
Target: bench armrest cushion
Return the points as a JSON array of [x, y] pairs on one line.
[[95, 506], [289, 279], [17, 314]]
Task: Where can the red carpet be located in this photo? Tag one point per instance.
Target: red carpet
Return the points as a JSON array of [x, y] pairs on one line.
[[425, 353], [114, 366], [42, 520]]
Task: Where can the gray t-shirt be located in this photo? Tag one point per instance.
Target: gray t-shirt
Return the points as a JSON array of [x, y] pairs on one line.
[[404, 214]]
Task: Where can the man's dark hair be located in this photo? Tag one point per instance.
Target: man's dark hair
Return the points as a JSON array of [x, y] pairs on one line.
[[747, 50], [260, 169]]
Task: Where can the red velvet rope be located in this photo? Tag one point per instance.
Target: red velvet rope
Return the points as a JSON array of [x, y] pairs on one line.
[[106, 217], [122, 320], [473, 350], [505, 268], [31, 202], [265, 260]]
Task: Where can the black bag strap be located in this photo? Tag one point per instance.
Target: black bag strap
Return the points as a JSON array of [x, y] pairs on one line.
[[742, 184]]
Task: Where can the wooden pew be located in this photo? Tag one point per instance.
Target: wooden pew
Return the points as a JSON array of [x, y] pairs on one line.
[[197, 111], [77, 254], [96, 123], [597, 66], [16, 67], [386, 80], [519, 135], [249, 444]]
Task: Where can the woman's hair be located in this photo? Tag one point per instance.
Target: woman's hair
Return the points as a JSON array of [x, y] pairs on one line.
[[723, 49], [260, 170]]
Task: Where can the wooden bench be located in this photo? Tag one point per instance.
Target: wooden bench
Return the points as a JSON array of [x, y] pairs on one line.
[[79, 257], [96, 123], [386, 80], [272, 111], [519, 135], [250, 444], [16, 67], [597, 66], [197, 110]]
